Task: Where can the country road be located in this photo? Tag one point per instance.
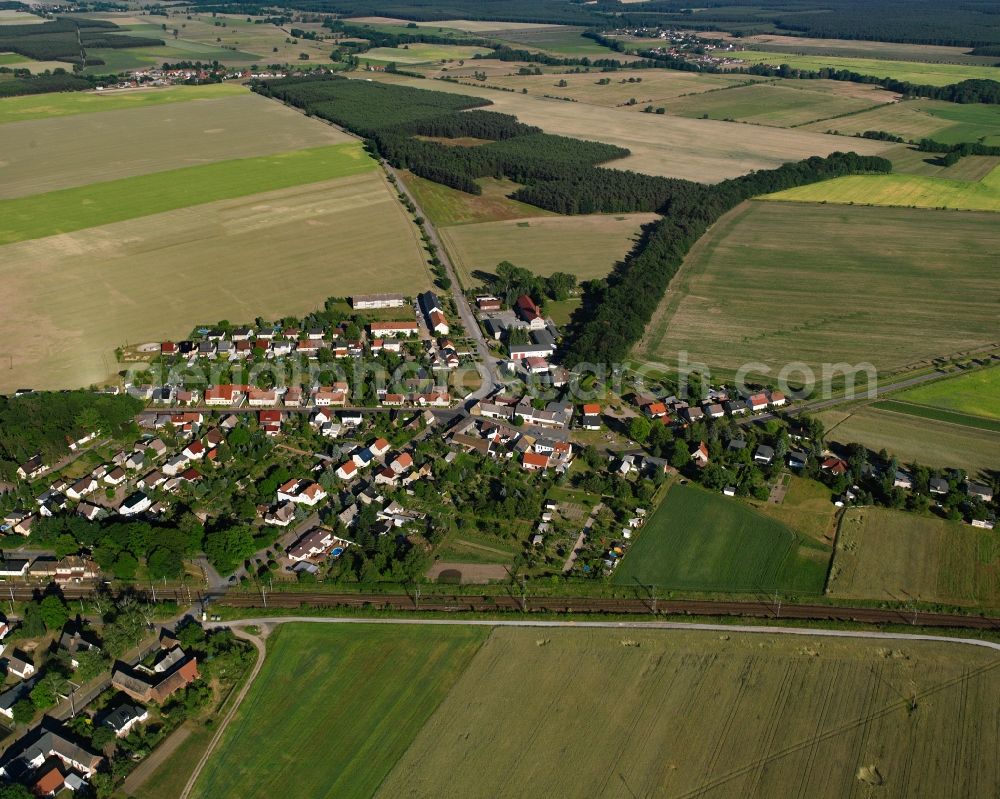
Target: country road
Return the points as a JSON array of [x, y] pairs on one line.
[[237, 701], [618, 625], [469, 322]]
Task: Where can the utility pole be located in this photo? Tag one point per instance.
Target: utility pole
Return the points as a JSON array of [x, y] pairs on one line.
[[416, 597], [777, 603], [263, 595], [524, 594], [11, 599]]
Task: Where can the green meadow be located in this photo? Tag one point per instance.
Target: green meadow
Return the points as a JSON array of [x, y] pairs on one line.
[[82, 207]]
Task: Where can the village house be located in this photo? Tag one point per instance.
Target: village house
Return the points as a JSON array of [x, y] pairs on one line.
[[20, 665], [123, 718], [347, 470], [82, 487], [45, 744], [529, 312], [224, 395], [157, 684], [757, 402], [282, 515], [270, 422], [488, 303], [763, 454], [699, 454], [302, 492], [135, 504], [32, 468]]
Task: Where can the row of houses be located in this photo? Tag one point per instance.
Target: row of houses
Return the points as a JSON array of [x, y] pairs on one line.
[[537, 449], [717, 405]]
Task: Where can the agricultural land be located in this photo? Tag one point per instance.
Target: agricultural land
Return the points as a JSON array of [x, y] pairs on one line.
[[724, 715], [373, 690], [586, 246], [702, 150], [158, 185], [699, 540], [891, 555], [900, 190], [789, 282], [975, 394], [912, 71], [911, 439]]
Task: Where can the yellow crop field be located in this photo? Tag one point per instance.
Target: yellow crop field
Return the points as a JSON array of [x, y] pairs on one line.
[[585, 246], [627, 713], [896, 556], [43, 155], [910, 191], [82, 294]]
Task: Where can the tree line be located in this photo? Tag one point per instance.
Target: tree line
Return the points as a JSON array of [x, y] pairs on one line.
[[615, 312]]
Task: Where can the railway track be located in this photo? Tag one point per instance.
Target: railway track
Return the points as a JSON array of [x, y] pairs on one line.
[[584, 605]]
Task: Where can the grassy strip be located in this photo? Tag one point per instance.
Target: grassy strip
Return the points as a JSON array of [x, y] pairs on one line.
[[938, 414], [82, 207], [20, 109]]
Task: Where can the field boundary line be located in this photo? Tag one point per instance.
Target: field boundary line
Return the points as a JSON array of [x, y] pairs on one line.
[[237, 702], [620, 625]]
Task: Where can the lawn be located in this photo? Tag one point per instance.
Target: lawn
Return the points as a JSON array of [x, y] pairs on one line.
[[912, 71], [704, 150], [43, 155], [267, 254], [893, 555], [785, 105], [910, 191], [45, 106], [698, 540], [807, 509], [82, 207], [422, 53], [447, 206], [930, 442], [639, 713], [976, 393], [585, 246], [334, 708], [781, 283]]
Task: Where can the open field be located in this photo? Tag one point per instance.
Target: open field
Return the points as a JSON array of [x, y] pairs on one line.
[[238, 41], [447, 206], [67, 210], [373, 689], [561, 40], [45, 155], [700, 540], [854, 48], [910, 191], [704, 150], [938, 414], [45, 106], [467, 25], [781, 283], [917, 119], [422, 53], [267, 254], [586, 246], [912, 71], [976, 393], [656, 86], [630, 713], [894, 555], [807, 508], [927, 441], [10, 16], [785, 105]]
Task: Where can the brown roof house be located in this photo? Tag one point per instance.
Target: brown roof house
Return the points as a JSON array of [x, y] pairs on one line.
[[173, 671]]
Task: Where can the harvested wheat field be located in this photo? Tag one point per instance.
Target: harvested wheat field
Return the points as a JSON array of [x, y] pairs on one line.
[[704, 150], [627, 713], [82, 294]]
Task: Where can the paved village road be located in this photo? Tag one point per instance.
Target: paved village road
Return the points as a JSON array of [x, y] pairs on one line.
[[472, 329]]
